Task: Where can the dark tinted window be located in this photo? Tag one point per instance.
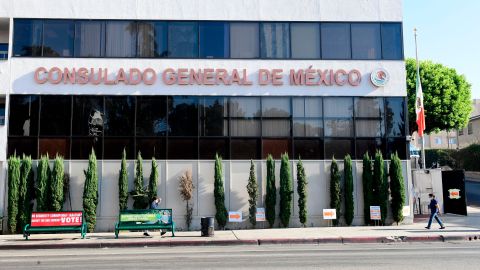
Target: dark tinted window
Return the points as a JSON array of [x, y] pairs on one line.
[[369, 146], [183, 39], [338, 114], [305, 40], [210, 147], [23, 120], [182, 148], [2, 111], [245, 149], [276, 147], [152, 116], [82, 147], [88, 116], [244, 40], [183, 116], [3, 51], [55, 115], [28, 37], [213, 115], [338, 148], [20, 146], [274, 40], [54, 146], [395, 117], [308, 149], [397, 145], [335, 41], [58, 38], [121, 38], [89, 38], [392, 45], [366, 42], [152, 147], [119, 116], [369, 117], [214, 40], [113, 148], [152, 39]]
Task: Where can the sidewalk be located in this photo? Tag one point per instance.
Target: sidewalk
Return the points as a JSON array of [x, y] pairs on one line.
[[458, 228]]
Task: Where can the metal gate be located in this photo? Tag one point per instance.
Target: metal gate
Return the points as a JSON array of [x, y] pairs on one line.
[[454, 198]]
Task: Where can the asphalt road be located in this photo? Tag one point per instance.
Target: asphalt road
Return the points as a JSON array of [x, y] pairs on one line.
[[472, 189], [360, 256]]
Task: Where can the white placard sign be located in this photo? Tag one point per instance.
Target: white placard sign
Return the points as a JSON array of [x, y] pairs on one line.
[[375, 212], [260, 215], [329, 214], [234, 216]]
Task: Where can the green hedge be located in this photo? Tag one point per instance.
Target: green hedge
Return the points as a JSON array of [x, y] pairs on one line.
[[466, 158]]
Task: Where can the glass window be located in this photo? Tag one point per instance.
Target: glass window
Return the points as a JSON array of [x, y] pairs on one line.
[[119, 116], [54, 146], [182, 148], [276, 107], [338, 117], [398, 145], [338, 107], [23, 119], [305, 40], [214, 40], [2, 111], [213, 114], [276, 148], [392, 44], [3, 51], [307, 128], [152, 147], [121, 38], [58, 38], [395, 117], [366, 42], [27, 37], [470, 128], [183, 39], [245, 149], [460, 132], [209, 147], [245, 128], [88, 116], [113, 148], [369, 117], [452, 140], [274, 128], [151, 116], [369, 128], [89, 38], [152, 39], [308, 149], [55, 115], [20, 146], [338, 128], [369, 107], [335, 41], [82, 147], [307, 107], [245, 107], [183, 116], [338, 148], [274, 40], [438, 140], [371, 146], [244, 40]]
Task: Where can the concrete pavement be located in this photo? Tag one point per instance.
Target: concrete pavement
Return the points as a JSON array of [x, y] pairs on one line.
[[459, 228]]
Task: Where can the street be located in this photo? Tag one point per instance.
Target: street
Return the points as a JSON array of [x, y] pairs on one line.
[[472, 189], [365, 256]]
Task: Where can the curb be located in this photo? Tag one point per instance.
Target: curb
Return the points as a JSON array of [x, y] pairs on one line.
[[251, 242]]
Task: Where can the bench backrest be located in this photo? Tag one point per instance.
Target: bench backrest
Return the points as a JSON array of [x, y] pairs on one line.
[[57, 219], [162, 216]]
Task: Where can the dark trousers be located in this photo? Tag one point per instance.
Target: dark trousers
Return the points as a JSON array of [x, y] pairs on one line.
[[434, 215]]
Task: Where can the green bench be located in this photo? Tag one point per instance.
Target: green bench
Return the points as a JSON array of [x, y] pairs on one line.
[[52, 222], [147, 219]]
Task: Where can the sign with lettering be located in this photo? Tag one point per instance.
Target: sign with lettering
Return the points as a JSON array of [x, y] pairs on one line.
[[234, 216], [260, 215], [46, 219], [454, 193], [375, 213], [329, 213]]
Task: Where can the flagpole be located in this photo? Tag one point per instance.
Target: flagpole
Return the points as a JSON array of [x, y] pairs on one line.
[[418, 74]]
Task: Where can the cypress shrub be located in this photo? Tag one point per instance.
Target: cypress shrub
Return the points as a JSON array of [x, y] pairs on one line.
[[123, 183], [286, 191], [349, 202], [380, 185], [302, 193], [25, 192], [139, 193], [219, 192], [43, 184], [13, 191], [397, 188], [335, 189], [271, 194], [252, 189], [153, 181], [57, 184], [90, 192], [367, 178]]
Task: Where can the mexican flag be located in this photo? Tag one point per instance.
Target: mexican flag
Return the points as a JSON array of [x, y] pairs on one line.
[[419, 110]]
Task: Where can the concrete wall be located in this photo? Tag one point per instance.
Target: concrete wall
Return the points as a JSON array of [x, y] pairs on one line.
[[236, 197]]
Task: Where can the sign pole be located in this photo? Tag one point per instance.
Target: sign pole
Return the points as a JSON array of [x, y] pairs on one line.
[[418, 73]]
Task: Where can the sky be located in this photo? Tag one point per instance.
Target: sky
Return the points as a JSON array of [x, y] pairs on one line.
[[448, 32]]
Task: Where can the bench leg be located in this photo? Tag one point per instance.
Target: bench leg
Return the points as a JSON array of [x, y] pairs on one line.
[[173, 230]]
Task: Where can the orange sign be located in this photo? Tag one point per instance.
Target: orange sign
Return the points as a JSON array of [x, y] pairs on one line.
[[234, 216], [454, 193], [329, 214]]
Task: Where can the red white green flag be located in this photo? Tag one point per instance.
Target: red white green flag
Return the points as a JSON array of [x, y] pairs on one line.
[[419, 110]]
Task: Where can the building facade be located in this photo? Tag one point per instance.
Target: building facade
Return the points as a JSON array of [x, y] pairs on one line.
[[183, 80]]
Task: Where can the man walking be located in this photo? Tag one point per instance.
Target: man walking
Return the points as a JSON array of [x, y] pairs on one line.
[[434, 212]]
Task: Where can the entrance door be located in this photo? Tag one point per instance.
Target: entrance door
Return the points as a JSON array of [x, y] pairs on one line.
[[454, 199]]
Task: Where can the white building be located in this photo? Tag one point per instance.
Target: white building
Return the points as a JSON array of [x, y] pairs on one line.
[[182, 80]]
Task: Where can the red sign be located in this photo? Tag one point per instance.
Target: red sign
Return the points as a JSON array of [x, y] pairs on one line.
[[45, 219]]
